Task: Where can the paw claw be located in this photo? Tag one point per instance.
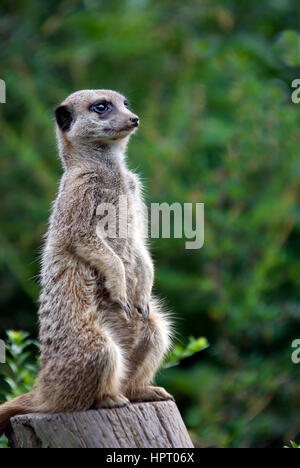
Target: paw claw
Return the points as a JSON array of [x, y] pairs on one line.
[[144, 311], [127, 308]]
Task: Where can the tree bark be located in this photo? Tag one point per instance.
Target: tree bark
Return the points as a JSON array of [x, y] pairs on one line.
[[139, 425]]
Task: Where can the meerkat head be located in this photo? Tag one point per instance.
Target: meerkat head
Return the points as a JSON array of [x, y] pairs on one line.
[[95, 116]]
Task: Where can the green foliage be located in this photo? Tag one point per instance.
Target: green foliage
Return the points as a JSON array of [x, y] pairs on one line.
[[211, 81], [293, 445], [180, 352], [20, 370], [3, 442], [288, 48]]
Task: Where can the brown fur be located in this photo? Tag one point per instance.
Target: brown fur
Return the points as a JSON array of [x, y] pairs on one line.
[[92, 353], [20, 405]]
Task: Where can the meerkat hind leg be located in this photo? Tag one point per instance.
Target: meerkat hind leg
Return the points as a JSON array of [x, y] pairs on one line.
[[147, 356], [111, 401], [112, 373], [150, 393]]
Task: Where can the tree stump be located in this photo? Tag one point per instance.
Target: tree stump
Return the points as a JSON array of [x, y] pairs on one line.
[[139, 425]]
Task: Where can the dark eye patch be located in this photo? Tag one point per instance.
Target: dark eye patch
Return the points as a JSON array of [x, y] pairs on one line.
[[101, 107]]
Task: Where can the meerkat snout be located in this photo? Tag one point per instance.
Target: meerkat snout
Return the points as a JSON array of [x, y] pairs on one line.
[[134, 121], [95, 115]]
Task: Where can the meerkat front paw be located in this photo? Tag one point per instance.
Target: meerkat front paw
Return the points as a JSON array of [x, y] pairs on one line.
[[125, 306], [144, 310], [118, 295], [141, 303], [112, 401], [145, 275], [150, 393]]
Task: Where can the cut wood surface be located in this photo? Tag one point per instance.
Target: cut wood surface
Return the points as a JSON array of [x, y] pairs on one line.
[[139, 425]]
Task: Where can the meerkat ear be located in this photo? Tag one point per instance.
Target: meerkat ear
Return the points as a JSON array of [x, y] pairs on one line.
[[64, 118]]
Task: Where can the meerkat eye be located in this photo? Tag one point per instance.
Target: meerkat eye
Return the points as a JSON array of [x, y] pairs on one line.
[[100, 107]]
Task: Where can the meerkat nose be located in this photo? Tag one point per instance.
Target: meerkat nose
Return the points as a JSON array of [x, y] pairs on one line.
[[134, 121]]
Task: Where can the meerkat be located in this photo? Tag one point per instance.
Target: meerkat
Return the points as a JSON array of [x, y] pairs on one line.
[[102, 334]]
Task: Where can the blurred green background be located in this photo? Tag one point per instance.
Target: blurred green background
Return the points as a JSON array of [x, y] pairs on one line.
[[211, 81]]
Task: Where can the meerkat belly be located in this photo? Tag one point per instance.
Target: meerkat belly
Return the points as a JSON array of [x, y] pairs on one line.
[[75, 301], [124, 243], [111, 317]]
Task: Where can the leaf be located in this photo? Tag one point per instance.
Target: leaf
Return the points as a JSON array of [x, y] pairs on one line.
[[287, 48], [179, 352]]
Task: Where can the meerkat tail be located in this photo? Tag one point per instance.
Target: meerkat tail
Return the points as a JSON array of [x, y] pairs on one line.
[[20, 405]]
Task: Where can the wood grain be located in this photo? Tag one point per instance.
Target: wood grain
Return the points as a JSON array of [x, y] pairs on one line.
[[139, 425]]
